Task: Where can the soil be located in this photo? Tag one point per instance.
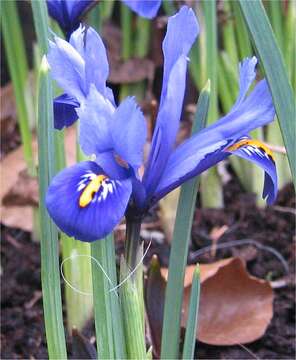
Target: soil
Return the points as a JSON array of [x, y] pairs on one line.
[[22, 332]]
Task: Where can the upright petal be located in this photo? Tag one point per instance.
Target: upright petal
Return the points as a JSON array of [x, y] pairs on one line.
[[181, 32], [91, 48], [145, 8], [77, 9], [129, 132], [67, 68], [95, 114], [247, 75], [86, 204], [64, 111]]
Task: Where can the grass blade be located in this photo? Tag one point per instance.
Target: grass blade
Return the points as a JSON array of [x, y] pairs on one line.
[[50, 273], [179, 249], [18, 69], [272, 62], [190, 335]]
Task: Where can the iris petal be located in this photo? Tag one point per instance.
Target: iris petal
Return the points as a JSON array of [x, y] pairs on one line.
[[260, 155], [64, 111], [92, 49], [145, 8], [84, 205], [95, 114], [246, 148], [182, 31], [247, 75], [129, 132], [68, 12], [67, 68]]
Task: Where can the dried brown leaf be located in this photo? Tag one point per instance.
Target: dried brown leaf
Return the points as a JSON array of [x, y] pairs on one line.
[[11, 166], [235, 307]]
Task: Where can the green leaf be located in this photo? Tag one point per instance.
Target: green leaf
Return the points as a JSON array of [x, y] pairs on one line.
[[190, 335], [179, 249], [18, 69], [50, 272], [272, 62]]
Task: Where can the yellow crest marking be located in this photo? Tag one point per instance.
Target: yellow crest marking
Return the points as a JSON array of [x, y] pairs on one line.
[[254, 143], [91, 189]]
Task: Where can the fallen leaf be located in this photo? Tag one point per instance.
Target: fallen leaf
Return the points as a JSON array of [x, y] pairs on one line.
[[11, 166], [24, 191], [206, 271], [235, 307]]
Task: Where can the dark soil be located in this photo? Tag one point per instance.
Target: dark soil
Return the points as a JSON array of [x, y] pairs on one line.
[[22, 332]]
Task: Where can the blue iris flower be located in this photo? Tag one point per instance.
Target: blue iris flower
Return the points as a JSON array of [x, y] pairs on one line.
[[68, 12], [87, 200]]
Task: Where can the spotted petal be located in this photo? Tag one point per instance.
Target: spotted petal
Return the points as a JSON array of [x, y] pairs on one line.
[[261, 155], [251, 150], [84, 203]]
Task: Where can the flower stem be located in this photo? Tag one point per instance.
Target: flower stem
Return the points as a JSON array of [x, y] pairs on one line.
[[132, 249]]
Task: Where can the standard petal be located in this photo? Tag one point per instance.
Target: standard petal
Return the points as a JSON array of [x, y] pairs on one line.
[[64, 111], [145, 8], [247, 75], [129, 132], [91, 48], [261, 155], [84, 203], [67, 68], [181, 33], [95, 115]]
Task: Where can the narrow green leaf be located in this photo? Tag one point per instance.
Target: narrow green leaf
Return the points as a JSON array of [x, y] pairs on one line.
[[117, 320], [190, 335], [102, 307], [211, 196], [50, 272], [18, 69], [179, 248], [132, 315], [272, 62], [229, 42], [242, 36], [41, 24]]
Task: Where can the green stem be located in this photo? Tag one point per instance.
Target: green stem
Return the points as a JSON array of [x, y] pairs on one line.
[[18, 68]]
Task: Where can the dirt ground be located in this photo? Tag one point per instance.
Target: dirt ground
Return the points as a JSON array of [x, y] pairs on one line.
[[22, 331]]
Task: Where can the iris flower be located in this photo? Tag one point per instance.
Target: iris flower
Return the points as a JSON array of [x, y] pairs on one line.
[[68, 12], [87, 200]]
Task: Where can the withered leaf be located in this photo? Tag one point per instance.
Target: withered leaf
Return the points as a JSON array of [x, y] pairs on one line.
[[235, 307]]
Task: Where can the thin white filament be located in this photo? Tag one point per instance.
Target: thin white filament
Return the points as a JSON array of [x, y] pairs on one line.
[[72, 257], [133, 271]]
